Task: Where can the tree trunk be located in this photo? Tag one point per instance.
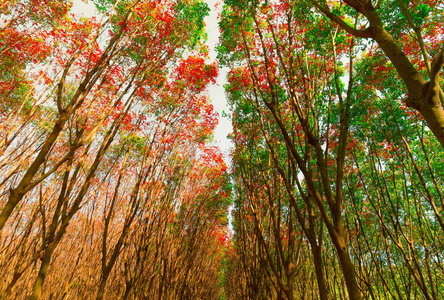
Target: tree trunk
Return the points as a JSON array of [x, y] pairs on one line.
[[46, 260], [317, 259], [354, 293]]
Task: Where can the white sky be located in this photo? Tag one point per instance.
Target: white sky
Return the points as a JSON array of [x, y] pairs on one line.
[[216, 91]]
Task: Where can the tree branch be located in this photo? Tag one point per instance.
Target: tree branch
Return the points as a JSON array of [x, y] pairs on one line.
[[362, 33], [436, 66]]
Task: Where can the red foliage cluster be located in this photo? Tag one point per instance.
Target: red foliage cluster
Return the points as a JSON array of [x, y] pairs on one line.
[[194, 72]]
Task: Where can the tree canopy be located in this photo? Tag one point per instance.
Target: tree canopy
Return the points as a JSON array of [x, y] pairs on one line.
[[111, 186]]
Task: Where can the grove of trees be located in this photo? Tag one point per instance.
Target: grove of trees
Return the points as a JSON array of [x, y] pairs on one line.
[[337, 164], [111, 186]]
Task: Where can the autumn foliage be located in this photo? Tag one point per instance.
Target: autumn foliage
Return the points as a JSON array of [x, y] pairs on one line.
[[110, 188], [337, 131]]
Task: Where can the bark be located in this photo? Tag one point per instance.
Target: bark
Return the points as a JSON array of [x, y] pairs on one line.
[[317, 260], [46, 260], [348, 270]]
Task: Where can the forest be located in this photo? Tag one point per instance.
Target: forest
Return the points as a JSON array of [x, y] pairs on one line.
[[111, 185]]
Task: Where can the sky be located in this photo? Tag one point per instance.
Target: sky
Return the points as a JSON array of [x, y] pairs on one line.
[[216, 91]]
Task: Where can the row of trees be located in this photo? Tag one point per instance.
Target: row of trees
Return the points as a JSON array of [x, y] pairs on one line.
[[109, 188], [337, 160]]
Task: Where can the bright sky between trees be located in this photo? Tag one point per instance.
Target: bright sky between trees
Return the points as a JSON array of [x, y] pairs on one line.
[[217, 92]]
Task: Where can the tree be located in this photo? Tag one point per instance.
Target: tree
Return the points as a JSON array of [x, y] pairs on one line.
[[295, 118], [410, 28], [105, 153]]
